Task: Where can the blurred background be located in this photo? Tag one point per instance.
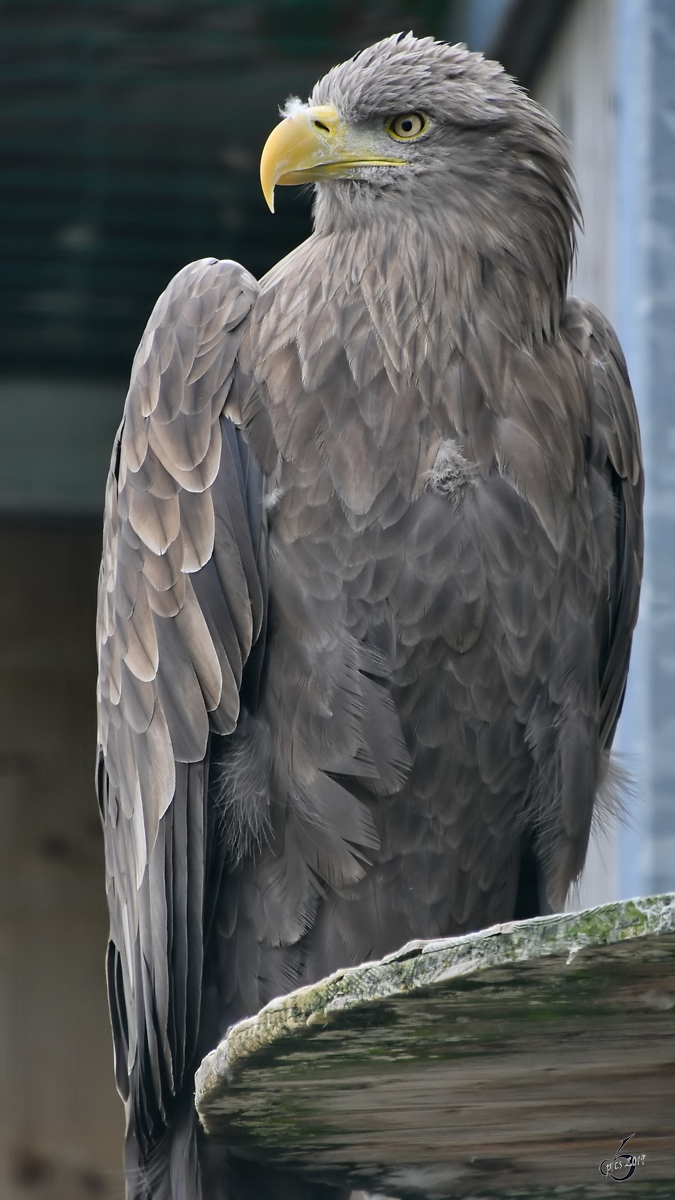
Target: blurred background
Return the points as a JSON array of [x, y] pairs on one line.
[[131, 132]]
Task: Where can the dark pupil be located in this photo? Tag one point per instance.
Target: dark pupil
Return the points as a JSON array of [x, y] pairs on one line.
[[406, 126]]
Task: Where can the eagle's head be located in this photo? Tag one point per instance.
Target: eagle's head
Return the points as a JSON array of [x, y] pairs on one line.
[[413, 128]]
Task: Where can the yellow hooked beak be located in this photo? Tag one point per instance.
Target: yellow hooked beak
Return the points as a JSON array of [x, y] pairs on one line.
[[311, 144]]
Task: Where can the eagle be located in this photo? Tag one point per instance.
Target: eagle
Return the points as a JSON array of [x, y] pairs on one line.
[[371, 565]]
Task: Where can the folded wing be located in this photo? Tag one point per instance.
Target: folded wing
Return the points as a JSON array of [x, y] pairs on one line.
[[182, 600]]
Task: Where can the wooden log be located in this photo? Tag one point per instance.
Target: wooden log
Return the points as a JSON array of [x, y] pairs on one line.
[[507, 1063]]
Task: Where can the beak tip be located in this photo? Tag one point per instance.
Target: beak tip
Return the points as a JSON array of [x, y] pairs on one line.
[[267, 187]]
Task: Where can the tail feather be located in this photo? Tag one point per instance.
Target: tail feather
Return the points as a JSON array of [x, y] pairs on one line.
[[186, 1165], [171, 1172]]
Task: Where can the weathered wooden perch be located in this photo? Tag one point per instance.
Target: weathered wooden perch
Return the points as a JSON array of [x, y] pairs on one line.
[[508, 1063]]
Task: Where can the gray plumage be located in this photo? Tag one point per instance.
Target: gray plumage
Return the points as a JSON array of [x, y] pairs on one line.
[[371, 566]]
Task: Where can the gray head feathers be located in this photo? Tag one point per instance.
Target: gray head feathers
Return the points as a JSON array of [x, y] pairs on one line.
[[491, 173]]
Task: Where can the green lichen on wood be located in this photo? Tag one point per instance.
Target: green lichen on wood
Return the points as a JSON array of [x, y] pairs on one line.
[[423, 964], [452, 1064]]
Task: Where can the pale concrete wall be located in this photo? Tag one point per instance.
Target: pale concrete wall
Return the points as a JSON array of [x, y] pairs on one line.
[[610, 81], [577, 85]]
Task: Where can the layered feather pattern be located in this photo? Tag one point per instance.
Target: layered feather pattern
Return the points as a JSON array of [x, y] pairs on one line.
[[371, 569], [178, 614]]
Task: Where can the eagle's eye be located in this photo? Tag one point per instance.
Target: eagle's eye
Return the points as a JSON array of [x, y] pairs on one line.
[[407, 126]]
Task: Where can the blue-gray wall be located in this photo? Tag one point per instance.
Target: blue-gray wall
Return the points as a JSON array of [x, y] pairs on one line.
[[646, 324], [638, 267], [475, 21]]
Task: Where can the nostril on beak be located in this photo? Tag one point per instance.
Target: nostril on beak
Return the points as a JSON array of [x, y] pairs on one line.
[[320, 125]]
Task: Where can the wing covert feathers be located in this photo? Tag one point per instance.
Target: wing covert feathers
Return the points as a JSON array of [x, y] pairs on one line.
[[181, 602]]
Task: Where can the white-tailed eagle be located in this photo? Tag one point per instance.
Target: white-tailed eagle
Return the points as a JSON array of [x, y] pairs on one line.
[[371, 567]]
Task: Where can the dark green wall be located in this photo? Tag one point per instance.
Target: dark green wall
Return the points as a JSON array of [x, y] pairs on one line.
[[129, 145]]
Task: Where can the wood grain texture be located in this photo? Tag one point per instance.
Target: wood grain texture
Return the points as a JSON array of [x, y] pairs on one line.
[[509, 1062]]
